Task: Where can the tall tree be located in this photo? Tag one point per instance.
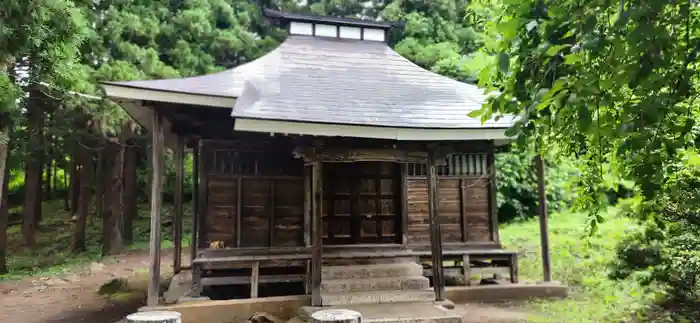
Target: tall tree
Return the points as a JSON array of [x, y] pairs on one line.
[[611, 81], [438, 35], [4, 214], [47, 31]]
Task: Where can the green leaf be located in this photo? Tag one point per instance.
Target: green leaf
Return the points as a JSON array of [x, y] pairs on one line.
[[475, 113], [573, 58], [508, 28], [503, 62], [555, 49]]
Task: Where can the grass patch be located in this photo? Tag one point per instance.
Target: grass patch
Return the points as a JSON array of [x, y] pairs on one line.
[[582, 262], [52, 255]]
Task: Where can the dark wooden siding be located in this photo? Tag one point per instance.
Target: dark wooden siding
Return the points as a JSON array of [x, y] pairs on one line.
[[255, 195], [463, 201]]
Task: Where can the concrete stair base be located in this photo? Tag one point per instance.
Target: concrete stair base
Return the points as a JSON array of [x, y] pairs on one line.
[[404, 269], [375, 284], [395, 313], [377, 297]]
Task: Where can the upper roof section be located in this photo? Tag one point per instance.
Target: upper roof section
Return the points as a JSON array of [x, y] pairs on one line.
[[354, 82], [333, 27]]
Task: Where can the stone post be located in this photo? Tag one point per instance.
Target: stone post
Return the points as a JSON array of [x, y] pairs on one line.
[[154, 317], [336, 316]]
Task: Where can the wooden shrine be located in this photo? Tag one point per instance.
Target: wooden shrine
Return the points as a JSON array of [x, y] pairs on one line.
[[377, 159]]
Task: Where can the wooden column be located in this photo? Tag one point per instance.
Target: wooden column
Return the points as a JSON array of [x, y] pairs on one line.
[[316, 212], [179, 191], [544, 231], [195, 201], [156, 202], [493, 196], [404, 203], [435, 234], [307, 206], [202, 201]]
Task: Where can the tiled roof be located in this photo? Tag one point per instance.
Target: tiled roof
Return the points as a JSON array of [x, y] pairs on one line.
[[340, 81]]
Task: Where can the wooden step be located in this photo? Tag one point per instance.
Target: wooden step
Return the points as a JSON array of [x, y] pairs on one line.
[[372, 271]]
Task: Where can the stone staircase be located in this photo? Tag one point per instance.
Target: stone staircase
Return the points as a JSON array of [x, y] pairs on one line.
[[375, 284], [382, 293]]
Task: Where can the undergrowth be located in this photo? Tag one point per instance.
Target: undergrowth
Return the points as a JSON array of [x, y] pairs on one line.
[[52, 254], [582, 262]]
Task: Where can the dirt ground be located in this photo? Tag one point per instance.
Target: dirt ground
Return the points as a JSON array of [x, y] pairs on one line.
[[73, 297]]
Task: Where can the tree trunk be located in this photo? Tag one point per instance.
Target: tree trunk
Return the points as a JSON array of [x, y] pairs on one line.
[[75, 182], [4, 153], [48, 140], [112, 230], [130, 191], [32, 188], [84, 170], [4, 202], [99, 185]]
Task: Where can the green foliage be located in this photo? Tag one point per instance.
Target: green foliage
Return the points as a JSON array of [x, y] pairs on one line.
[[517, 185], [52, 255], [582, 261], [667, 252], [438, 36], [611, 83]]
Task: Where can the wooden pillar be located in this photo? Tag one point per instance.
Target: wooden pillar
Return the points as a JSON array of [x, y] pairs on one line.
[[307, 206], [156, 203], [195, 199], [202, 201], [493, 197], [544, 230], [404, 203], [435, 234], [316, 212], [179, 191]]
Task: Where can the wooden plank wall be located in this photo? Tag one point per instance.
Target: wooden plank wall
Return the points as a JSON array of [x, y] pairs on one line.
[[463, 208], [252, 202]]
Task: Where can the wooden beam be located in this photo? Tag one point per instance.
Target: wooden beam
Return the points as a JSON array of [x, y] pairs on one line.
[[314, 154], [273, 207], [435, 234], [203, 204], [462, 209], [307, 206], [254, 279], [544, 230], [239, 209], [404, 203], [195, 201], [179, 192], [317, 253], [493, 198], [156, 203]]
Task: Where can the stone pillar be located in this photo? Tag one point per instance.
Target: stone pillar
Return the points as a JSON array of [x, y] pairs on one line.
[[154, 317], [336, 316]]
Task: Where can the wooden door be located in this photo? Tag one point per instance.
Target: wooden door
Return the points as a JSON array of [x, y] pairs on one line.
[[362, 203]]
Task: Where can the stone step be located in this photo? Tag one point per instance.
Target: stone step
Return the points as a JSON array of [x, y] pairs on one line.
[[375, 284], [416, 312], [377, 297], [371, 271]]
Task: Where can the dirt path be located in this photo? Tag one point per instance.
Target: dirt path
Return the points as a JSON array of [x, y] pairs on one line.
[[72, 297], [491, 313]]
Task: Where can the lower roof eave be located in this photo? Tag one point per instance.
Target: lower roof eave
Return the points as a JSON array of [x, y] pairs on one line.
[[122, 92], [373, 132]]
